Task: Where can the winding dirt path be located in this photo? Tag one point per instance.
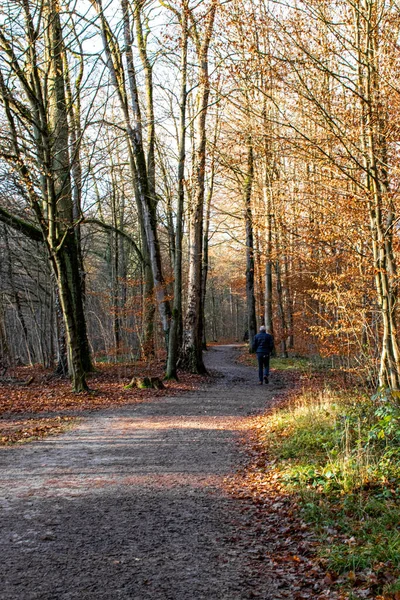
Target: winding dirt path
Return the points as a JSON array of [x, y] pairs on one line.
[[131, 504]]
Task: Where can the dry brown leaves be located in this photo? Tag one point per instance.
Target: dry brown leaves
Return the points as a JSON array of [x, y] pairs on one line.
[[26, 430], [47, 405], [285, 541]]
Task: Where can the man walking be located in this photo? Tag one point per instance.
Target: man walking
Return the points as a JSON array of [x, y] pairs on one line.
[[263, 346]]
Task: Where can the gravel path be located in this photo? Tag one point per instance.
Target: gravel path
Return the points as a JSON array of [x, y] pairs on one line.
[[130, 505]]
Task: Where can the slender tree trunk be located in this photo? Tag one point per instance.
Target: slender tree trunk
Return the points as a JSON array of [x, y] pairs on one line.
[[176, 321], [141, 37], [192, 350], [152, 265], [206, 235], [281, 309], [248, 217], [237, 318], [374, 150], [268, 268], [260, 280], [4, 346], [62, 351], [279, 292], [289, 302], [17, 300], [115, 295], [214, 315]]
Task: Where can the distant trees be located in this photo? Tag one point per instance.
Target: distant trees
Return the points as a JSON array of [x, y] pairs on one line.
[[320, 75]]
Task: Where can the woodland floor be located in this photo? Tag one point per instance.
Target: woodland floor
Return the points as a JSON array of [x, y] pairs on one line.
[[141, 502]]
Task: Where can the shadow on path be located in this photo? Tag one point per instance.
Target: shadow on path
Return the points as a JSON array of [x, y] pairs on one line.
[[131, 504]]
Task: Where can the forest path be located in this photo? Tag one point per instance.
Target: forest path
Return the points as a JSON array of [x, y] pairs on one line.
[[131, 504]]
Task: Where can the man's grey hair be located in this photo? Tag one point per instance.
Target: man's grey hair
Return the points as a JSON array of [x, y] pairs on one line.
[[263, 328]]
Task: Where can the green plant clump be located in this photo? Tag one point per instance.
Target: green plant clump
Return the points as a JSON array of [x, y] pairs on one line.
[[341, 454]]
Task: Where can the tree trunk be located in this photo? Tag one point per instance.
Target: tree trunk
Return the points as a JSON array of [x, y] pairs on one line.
[[268, 270], [63, 242], [62, 351], [4, 346], [279, 292], [68, 280], [192, 356], [47, 119], [248, 217], [205, 265], [289, 301], [375, 154], [176, 321], [17, 300], [260, 281]]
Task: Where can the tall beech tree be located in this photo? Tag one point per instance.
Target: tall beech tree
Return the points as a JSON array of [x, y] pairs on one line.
[[207, 224], [33, 91], [175, 339], [124, 80], [381, 207], [192, 351], [248, 218]]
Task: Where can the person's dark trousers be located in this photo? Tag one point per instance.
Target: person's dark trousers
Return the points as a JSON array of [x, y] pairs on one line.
[[263, 365]]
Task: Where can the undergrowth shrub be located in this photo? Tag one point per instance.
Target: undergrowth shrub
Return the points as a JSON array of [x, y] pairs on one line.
[[340, 452]]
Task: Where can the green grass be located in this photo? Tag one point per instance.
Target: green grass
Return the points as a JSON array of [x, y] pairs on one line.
[[392, 588], [302, 364], [293, 363], [288, 364], [367, 534], [340, 452]]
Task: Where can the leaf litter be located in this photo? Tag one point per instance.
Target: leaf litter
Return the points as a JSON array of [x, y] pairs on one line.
[[47, 406]]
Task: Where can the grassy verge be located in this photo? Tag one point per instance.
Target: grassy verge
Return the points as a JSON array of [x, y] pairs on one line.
[[339, 452], [300, 364]]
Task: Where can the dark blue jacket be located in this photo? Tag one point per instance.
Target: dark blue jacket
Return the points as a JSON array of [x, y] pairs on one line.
[[263, 343]]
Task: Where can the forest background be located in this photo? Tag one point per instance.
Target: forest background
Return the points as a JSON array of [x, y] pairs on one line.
[[173, 173]]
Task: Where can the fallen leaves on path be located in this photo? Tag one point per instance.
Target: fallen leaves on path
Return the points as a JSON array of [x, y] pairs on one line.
[[282, 542], [26, 430]]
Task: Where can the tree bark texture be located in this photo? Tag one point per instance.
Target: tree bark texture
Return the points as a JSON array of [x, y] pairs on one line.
[[377, 185], [63, 240], [47, 116], [248, 217], [177, 317], [206, 235], [193, 335], [269, 324]]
